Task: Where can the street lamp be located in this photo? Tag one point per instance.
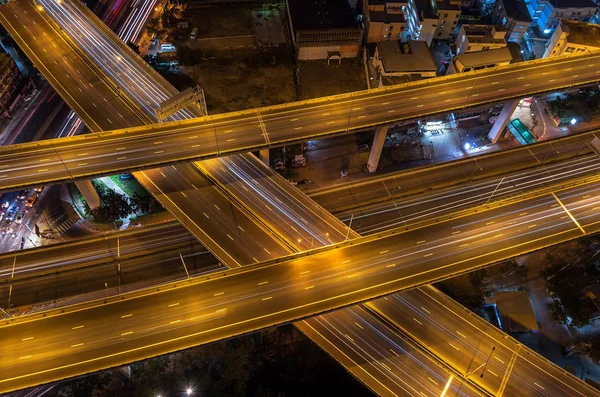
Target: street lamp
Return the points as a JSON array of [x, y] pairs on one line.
[[189, 391], [573, 121]]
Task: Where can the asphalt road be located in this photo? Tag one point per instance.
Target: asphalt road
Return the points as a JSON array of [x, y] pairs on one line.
[[259, 296], [379, 357], [151, 146], [465, 341], [159, 239], [90, 95]]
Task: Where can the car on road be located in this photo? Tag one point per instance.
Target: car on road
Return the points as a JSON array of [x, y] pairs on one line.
[[10, 215], [39, 189], [31, 201], [20, 217], [23, 194], [5, 231]]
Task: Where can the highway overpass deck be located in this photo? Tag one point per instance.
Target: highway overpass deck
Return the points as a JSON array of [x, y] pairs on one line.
[[91, 95], [465, 342], [167, 319], [194, 139], [387, 363]]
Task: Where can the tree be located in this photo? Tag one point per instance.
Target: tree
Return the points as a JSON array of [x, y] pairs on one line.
[[583, 105]]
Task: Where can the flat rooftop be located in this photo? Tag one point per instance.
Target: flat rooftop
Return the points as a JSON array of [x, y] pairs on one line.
[[572, 3], [394, 59], [489, 57], [517, 9], [482, 34], [321, 14], [581, 33]]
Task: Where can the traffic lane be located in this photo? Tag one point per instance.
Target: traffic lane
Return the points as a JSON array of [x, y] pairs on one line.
[[437, 311], [67, 73], [420, 208], [95, 280], [399, 185], [465, 349], [112, 56], [388, 107], [225, 147], [341, 283], [210, 216], [365, 346], [281, 206]]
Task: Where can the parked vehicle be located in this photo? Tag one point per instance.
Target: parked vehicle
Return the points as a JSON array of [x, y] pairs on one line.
[[23, 194]]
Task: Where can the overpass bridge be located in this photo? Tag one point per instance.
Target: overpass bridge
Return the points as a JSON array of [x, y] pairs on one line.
[[241, 300], [156, 145]]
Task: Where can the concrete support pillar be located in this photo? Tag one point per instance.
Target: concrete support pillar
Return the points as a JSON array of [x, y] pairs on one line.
[[503, 120], [89, 193], [376, 148], [264, 156]]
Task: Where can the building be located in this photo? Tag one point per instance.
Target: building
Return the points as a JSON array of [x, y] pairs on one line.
[[514, 310], [385, 20], [546, 13], [409, 19], [448, 12], [513, 16], [394, 59], [324, 29], [472, 38], [571, 37], [480, 60], [10, 83]]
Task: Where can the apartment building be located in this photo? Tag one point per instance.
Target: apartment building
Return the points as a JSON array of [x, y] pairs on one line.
[[547, 13], [10, 80], [324, 29], [572, 37], [410, 19], [472, 38], [514, 18]]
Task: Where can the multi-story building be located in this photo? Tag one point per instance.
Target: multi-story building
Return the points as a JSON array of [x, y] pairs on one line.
[[324, 29], [10, 80], [480, 60], [410, 19], [387, 19], [448, 12], [547, 13], [572, 37], [472, 38], [513, 16]]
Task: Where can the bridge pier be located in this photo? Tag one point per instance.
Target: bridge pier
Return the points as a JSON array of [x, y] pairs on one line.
[[89, 193], [503, 120], [377, 147], [263, 155]]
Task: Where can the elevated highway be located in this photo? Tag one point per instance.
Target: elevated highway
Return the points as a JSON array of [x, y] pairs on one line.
[[193, 139], [237, 301]]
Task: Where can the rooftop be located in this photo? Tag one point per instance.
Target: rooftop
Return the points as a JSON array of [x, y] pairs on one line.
[[517, 9], [382, 16], [483, 34], [572, 3], [489, 57], [581, 33], [516, 313], [412, 56], [317, 14]]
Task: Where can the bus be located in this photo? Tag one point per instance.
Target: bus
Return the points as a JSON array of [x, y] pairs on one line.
[[194, 33], [521, 132]]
